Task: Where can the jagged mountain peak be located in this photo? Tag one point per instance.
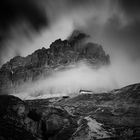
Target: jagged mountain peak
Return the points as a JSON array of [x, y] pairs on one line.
[[41, 62], [78, 35]]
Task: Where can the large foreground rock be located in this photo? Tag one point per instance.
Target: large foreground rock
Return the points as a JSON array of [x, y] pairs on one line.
[[110, 116]]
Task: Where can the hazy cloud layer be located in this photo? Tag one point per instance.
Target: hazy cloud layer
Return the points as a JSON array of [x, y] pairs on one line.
[[15, 13], [69, 82]]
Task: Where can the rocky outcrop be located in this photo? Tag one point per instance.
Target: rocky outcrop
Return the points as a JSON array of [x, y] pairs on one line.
[[106, 116], [20, 121], [42, 62], [13, 113]]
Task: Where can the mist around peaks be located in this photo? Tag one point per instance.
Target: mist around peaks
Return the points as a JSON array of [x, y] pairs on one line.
[[69, 82]]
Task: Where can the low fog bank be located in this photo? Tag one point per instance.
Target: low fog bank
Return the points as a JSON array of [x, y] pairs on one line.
[[69, 82]]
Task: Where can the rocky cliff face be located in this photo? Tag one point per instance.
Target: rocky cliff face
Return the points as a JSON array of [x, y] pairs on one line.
[[43, 61], [108, 116]]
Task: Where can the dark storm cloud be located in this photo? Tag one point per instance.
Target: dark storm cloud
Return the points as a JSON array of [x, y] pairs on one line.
[[83, 2], [12, 11], [124, 37], [33, 13], [24, 16], [126, 29], [131, 7]]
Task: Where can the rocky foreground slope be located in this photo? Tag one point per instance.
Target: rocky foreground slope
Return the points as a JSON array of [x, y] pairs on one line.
[[42, 62], [107, 116]]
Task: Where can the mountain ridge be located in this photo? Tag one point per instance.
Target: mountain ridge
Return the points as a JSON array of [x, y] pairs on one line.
[[43, 61]]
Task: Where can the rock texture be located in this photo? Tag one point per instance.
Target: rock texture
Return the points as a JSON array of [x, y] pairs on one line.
[[43, 61], [108, 116]]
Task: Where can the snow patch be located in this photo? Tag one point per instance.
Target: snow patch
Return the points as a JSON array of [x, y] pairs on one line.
[[95, 129]]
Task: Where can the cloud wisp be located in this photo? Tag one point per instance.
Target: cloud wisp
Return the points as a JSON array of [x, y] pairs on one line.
[[69, 82]]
